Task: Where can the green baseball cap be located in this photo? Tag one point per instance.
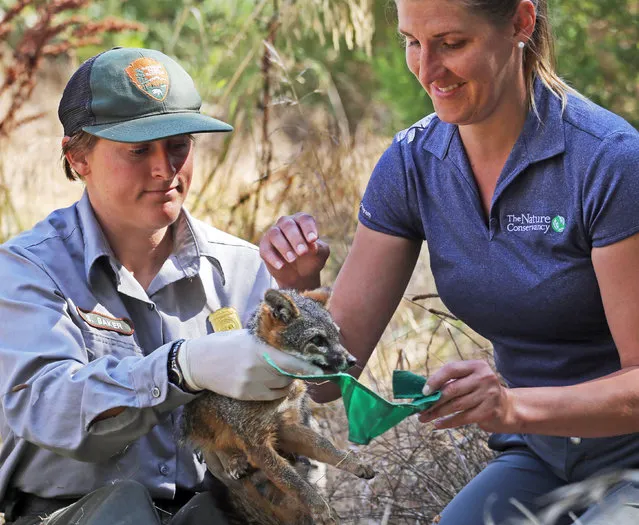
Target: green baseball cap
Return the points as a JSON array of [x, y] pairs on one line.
[[133, 95]]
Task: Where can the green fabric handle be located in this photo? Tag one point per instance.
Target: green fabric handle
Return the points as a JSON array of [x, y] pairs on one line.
[[370, 415]]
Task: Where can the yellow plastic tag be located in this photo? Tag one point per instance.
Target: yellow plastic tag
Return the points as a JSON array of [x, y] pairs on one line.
[[225, 319]]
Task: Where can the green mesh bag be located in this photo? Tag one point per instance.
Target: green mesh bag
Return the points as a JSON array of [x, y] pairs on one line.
[[370, 415]]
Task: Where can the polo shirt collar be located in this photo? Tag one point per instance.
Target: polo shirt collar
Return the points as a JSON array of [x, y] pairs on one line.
[[544, 134], [541, 138], [439, 138]]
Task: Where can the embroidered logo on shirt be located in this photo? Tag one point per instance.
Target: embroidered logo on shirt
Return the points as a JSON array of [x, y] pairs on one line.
[[529, 222], [150, 77], [558, 224], [364, 210], [96, 320]]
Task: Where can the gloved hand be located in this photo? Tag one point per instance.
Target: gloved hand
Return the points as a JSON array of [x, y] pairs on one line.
[[231, 363]]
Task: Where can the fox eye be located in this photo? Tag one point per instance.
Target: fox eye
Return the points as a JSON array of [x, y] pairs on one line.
[[318, 340]]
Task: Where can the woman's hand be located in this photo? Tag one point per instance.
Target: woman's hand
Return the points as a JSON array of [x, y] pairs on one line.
[[471, 393], [293, 253]]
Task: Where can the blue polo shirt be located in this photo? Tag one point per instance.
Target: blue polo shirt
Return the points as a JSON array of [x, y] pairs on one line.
[[522, 277]]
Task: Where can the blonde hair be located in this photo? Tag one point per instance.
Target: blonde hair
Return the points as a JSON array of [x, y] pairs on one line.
[[80, 141]]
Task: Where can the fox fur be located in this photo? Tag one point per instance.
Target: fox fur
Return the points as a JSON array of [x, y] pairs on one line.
[[260, 442]]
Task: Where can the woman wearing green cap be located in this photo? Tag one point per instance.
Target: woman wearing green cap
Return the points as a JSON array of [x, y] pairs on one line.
[[527, 196], [105, 313]]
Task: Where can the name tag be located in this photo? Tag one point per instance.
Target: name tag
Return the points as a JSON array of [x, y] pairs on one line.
[[104, 322]]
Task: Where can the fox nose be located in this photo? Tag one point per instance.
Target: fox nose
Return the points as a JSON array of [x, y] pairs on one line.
[[351, 361]]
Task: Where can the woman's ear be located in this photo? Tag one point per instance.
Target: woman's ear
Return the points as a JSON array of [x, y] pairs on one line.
[[77, 159], [524, 21]]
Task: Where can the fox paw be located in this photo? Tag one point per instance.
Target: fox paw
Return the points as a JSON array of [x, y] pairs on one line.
[[238, 466], [364, 471]]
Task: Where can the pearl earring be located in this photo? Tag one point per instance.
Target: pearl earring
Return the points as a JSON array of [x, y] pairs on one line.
[[521, 45]]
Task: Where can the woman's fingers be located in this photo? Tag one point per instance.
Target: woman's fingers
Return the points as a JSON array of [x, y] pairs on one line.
[[451, 372], [471, 393], [307, 225], [291, 237], [457, 404], [454, 397], [293, 253], [296, 230], [273, 248]]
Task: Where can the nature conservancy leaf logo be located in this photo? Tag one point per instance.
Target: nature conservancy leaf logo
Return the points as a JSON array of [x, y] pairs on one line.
[[150, 77], [559, 224]]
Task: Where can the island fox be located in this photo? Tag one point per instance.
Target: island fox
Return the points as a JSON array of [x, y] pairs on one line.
[[259, 441]]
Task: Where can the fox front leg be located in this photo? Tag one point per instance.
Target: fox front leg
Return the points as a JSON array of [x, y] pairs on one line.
[[303, 440]]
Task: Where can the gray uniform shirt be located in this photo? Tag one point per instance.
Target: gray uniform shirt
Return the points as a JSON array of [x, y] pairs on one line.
[[81, 332]]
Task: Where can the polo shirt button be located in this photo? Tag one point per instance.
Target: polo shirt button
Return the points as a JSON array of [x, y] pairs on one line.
[[155, 392], [575, 440], [164, 469], [151, 306]]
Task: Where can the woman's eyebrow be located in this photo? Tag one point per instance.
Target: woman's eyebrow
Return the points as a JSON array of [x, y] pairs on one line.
[[438, 35]]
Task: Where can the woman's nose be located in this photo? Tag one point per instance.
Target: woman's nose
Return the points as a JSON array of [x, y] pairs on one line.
[[163, 165], [430, 67]]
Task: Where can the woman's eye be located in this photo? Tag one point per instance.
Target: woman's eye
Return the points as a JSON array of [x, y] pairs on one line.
[[139, 151], [454, 45], [180, 145]]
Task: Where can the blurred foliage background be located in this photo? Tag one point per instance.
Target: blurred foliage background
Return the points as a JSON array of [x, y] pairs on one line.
[[597, 47], [315, 90], [353, 44]]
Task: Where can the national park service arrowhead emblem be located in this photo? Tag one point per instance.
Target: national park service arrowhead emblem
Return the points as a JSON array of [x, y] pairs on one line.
[[150, 77]]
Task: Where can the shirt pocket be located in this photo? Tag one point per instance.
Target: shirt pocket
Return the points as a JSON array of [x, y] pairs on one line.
[[98, 344]]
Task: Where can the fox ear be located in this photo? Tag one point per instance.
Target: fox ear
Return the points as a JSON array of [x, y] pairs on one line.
[[321, 295], [281, 305]]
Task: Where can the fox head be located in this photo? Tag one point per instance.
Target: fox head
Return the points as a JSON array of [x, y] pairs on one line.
[[299, 324]]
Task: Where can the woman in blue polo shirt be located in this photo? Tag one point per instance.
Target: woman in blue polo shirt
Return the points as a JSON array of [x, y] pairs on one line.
[[526, 193]]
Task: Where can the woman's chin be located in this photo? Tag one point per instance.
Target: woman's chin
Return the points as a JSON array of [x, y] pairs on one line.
[[160, 219]]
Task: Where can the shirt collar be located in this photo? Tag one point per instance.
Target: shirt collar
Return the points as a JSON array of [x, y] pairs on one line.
[[96, 247], [193, 242], [190, 243], [544, 133], [542, 136]]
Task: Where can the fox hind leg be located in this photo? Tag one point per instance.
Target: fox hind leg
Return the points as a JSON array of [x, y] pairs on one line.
[[288, 480]]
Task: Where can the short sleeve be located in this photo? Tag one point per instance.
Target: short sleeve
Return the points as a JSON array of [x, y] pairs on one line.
[[611, 193], [389, 204]]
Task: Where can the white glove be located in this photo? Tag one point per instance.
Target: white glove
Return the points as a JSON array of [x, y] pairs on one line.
[[231, 363]]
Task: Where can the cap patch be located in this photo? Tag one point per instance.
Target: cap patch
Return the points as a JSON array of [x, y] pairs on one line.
[[104, 322], [150, 77]]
